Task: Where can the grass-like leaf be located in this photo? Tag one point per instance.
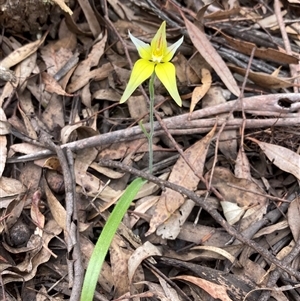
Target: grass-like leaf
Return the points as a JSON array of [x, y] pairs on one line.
[[105, 239]]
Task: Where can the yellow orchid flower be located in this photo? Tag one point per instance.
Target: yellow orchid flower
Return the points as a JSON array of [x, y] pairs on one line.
[[154, 58]]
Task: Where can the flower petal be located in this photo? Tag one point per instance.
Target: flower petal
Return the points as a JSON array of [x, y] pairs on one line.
[[142, 70], [159, 43], [167, 75], [171, 50], [143, 48]]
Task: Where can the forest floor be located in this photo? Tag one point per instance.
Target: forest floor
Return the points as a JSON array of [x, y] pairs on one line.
[[218, 219]]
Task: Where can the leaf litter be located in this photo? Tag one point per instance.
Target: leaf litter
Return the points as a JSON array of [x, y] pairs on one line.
[[238, 131]]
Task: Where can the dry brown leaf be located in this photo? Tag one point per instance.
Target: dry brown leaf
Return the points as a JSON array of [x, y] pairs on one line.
[[264, 80], [224, 14], [119, 255], [76, 131], [293, 218], [121, 149], [201, 234], [209, 53], [29, 130], [219, 251], [141, 207], [26, 104], [52, 86], [83, 160], [97, 74], [280, 156], [14, 211], [181, 174], [172, 227], [242, 165], [4, 125], [3, 153], [26, 68], [141, 253], [25, 148], [53, 116], [270, 21], [30, 177], [185, 72], [22, 53], [108, 94], [56, 55], [4, 130], [58, 211], [273, 228], [35, 213], [237, 200], [199, 92], [215, 290], [9, 189], [269, 54], [92, 60], [90, 17], [108, 172], [10, 86], [137, 111]]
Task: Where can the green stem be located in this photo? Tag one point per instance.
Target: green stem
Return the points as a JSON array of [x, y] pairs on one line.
[[151, 117]]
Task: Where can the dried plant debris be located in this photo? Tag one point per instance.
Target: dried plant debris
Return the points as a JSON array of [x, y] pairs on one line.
[[220, 213]]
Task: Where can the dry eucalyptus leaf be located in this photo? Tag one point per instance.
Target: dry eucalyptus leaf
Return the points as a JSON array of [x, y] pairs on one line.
[[210, 54], [97, 74], [137, 106], [242, 165], [268, 54], [52, 86], [219, 251], [3, 153], [28, 128], [172, 227], [56, 55], [9, 189], [181, 174], [215, 290], [200, 91], [107, 94], [119, 255], [293, 218], [239, 194], [141, 253], [263, 79], [58, 211], [92, 60], [22, 53], [280, 156]]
